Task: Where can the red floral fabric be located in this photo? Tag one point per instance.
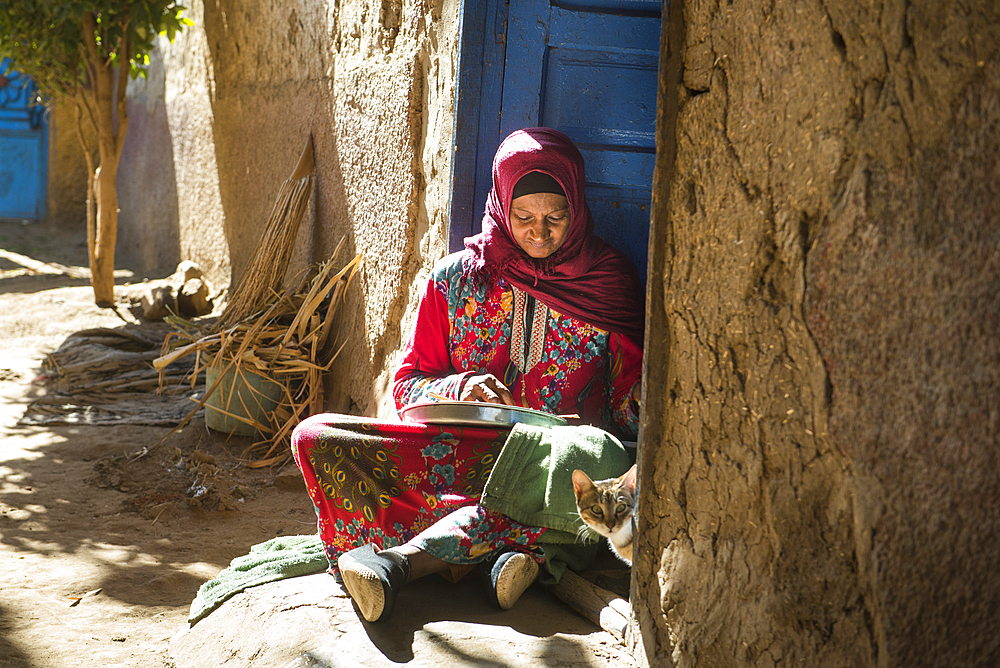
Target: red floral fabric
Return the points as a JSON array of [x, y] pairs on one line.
[[464, 328], [387, 482]]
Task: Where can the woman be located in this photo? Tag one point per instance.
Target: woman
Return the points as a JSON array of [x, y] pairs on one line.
[[535, 312]]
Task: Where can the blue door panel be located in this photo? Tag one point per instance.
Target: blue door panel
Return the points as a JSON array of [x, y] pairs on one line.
[[20, 165], [601, 98], [477, 122], [605, 32], [615, 210], [644, 6], [23, 147], [587, 68], [616, 168], [591, 72], [527, 44]]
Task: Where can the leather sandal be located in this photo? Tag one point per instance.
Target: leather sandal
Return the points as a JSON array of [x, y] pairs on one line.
[[373, 579], [506, 575]]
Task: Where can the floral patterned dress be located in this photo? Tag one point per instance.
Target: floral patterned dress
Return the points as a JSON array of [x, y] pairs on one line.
[[391, 482], [550, 361]]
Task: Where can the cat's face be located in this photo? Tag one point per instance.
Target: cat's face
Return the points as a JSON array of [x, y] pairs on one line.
[[605, 505]]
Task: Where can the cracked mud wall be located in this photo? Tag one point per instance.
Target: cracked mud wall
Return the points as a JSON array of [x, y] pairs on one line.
[[225, 114], [819, 464]]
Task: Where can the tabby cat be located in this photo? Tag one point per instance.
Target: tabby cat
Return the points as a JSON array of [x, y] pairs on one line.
[[606, 506]]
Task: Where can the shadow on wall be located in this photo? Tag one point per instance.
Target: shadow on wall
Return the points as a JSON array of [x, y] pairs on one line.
[[264, 106], [148, 222], [272, 89]]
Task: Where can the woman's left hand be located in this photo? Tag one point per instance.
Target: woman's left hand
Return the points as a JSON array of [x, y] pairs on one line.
[[487, 388]]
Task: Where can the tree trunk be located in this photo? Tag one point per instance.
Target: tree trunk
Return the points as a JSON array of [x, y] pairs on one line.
[[102, 260], [107, 96], [102, 263]]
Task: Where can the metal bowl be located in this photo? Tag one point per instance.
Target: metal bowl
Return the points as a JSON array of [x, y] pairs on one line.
[[476, 413]]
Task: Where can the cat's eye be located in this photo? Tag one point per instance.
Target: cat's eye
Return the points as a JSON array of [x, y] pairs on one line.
[[620, 508], [596, 510]]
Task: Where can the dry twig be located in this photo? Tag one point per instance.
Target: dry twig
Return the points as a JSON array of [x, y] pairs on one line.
[[287, 341], [265, 274]]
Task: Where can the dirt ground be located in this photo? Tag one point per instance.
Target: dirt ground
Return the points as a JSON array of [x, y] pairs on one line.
[[100, 557]]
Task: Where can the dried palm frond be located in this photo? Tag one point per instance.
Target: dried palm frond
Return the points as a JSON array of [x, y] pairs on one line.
[[287, 340], [265, 274], [105, 376]]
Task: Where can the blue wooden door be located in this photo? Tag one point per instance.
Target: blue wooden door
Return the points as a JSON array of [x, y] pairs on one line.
[[587, 68], [23, 147]]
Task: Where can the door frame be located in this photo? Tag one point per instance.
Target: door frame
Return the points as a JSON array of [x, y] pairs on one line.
[[482, 52]]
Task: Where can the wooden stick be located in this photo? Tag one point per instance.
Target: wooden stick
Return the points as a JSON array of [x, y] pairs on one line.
[[600, 606]]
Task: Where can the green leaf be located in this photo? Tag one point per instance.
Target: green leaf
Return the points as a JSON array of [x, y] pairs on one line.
[[44, 36]]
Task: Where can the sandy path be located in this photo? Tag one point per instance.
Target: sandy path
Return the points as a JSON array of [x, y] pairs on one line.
[[73, 520]]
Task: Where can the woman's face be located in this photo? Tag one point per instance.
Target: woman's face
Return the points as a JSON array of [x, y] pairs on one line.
[[540, 223]]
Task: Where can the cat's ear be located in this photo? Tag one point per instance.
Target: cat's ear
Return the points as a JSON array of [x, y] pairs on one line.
[[581, 482], [628, 480]]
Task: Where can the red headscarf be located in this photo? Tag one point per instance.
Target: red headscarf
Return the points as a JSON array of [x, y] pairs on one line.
[[586, 278]]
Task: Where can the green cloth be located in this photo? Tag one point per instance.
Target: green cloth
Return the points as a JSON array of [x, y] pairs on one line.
[[276, 559], [532, 483]]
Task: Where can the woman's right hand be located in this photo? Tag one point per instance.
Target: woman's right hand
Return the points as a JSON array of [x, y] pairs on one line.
[[486, 388]]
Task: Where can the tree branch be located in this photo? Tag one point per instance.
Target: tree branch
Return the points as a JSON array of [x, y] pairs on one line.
[[79, 101], [88, 66], [124, 67], [91, 199], [90, 44], [83, 97]]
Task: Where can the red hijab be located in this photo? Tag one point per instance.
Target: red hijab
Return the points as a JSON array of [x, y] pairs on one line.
[[586, 278]]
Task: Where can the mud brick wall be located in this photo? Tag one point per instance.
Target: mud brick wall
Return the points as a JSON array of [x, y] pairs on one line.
[[819, 458], [221, 120]]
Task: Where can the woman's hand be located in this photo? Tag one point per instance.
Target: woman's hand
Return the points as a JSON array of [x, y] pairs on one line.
[[487, 388]]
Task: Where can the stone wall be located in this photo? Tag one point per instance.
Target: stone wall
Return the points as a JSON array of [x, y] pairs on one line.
[[226, 111], [820, 438]]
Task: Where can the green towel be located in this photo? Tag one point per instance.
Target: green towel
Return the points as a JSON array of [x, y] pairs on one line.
[[532, 483], [276, 559]]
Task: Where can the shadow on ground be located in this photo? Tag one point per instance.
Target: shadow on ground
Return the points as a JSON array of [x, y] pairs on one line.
[[12, 655], [309, 621]]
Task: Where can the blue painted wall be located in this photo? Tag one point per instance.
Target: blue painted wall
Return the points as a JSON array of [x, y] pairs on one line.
[[23, 147]]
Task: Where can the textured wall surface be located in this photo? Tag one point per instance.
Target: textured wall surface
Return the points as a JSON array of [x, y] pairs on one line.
[[221, 122], [148, 230], [823, 379], [66, 197]]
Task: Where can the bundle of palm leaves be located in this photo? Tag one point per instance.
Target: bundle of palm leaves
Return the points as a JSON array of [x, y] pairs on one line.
[[265, 273], [287, 341]]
